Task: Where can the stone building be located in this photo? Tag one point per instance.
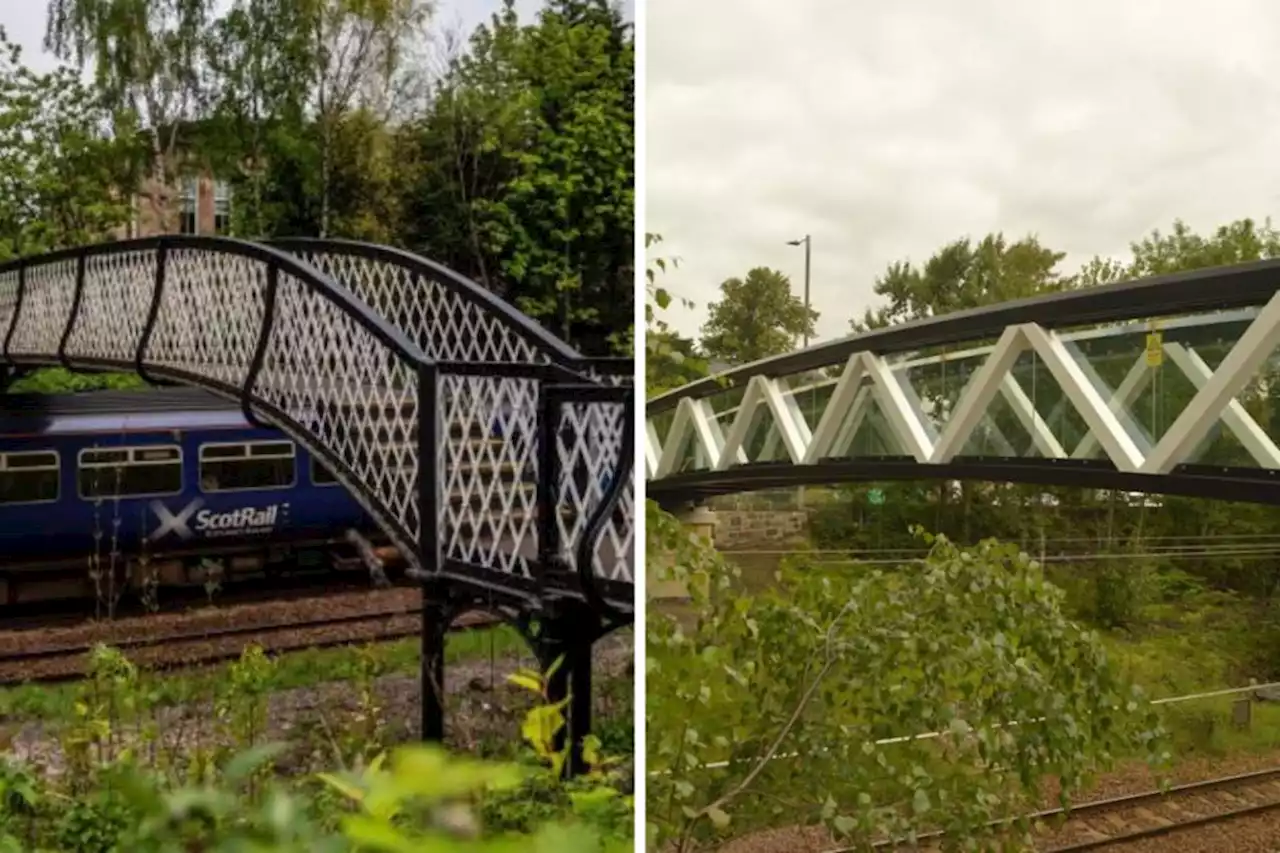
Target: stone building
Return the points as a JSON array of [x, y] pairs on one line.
[[199, 204]]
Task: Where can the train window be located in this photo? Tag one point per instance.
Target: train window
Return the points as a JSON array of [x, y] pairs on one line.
[[130, 472], [244, 467], [321, 475], [28, 478]]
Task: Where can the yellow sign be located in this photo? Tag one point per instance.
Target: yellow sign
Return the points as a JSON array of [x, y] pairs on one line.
[[1155, 347]]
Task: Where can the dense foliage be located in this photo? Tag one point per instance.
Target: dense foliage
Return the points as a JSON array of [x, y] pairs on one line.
[[58, 169], [131, 782], [797, 688]]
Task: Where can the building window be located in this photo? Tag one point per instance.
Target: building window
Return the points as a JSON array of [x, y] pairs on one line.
[[29, 478], [221, 207], [189, 202], [321, 475], [130, 472], [246, 467]]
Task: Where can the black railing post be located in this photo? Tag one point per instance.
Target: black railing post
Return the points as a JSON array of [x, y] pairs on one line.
[[153, 312], [76, 298], [17, 310], [260, 348], [578, 661], [550, 405], [436, 611]]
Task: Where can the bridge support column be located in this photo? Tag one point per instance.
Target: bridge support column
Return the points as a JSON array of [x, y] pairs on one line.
[[570, 632], [700, 520], [437, 616]]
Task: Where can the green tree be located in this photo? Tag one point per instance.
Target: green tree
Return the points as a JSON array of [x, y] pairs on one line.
[[1181, 249], [679, 362], [830, 665], [964, 275], [671, 359], [525, 167], [146, 57], [64, 176], [757, 317]]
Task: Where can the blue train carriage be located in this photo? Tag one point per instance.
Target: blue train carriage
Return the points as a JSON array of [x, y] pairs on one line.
[[172, 477]]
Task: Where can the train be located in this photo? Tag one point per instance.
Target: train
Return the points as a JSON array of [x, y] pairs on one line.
[[173, 480]]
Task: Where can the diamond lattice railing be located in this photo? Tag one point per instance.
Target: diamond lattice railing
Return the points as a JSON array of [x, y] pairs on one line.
[[1142, 397], [341, 373], [590, 449], [488, 514], [224, 315]]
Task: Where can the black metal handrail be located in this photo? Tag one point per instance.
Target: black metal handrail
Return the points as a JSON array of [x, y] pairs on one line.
[[1216, 289], [306, 273]]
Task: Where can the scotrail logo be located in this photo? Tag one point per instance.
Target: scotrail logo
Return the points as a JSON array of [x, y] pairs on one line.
[[244, 520]]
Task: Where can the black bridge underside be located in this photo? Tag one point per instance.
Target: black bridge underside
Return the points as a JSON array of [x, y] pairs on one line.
[[1249, 485]]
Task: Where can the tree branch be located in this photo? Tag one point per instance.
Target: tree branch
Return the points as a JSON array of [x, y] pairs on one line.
[[829, 660]]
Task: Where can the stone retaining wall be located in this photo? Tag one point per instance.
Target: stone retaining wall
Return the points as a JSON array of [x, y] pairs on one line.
[[739, 529]]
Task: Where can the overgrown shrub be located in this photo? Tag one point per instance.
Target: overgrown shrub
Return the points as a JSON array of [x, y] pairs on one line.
[[119, 792]]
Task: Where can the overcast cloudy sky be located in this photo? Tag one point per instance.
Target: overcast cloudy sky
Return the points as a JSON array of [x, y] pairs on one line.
[[887, 129]]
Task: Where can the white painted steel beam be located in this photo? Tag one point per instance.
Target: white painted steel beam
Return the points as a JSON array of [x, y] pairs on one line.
[[1119, 445], [977, 395], [1245, 428], [1122, 399], [1233, 374]]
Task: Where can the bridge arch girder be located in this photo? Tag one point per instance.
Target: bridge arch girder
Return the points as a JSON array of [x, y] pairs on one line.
[[1096, 387]]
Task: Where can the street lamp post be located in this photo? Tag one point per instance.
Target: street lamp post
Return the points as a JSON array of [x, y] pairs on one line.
[[807, 240]]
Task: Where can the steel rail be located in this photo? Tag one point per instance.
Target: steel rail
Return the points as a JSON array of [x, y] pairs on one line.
[[1122, 801], [381, 617]]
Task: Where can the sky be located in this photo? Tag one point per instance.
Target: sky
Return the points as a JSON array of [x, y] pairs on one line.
[[888, 129]]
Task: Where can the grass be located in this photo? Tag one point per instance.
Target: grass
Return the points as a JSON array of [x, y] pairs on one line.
[[1193, 645], [300, 669], [1199, 643]]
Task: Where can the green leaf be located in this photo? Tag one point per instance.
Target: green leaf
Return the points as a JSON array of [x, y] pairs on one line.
[[246, 763]]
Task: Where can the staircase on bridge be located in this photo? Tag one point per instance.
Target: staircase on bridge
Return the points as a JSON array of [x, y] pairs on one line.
[[1165, 385], [492, 454]]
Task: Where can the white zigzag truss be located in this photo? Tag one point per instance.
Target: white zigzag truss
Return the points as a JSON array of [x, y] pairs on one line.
[[868, 377]]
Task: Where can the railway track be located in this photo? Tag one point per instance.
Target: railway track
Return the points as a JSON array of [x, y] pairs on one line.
[[1131, 818], [69, 613], [1121, 820], [33, 657]]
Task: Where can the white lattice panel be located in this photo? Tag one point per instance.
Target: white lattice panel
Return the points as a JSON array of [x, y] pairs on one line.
[[486, 521], [113, 306], [46, 306], [8, 299], [354, 395], [487, 515], [589, 444], [447, 325]]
